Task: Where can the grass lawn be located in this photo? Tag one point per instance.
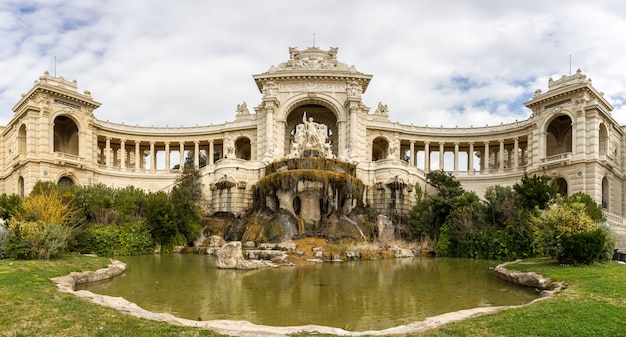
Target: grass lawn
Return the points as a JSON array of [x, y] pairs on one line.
[[592, 304], [30, 304]]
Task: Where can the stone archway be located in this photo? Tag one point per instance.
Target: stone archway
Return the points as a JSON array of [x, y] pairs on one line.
[[559, 136], [603, 144], [21, 187], [65, 180], [65, 135], [321, 115], [561, 184], [21, 140], [380, 148], [243, 148]]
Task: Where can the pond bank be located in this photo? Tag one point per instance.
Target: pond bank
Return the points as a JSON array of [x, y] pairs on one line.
[[244, 328]]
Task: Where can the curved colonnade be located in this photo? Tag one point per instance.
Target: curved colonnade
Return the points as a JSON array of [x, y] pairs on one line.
[[570, 135]]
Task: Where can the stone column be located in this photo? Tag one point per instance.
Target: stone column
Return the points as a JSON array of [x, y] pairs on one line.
[[152, 157], [137, 155], [456, 157], [528, 156], [441, 152], [107, 152], [269, 128], [485, 160], [167, 156], [470, 158], [211, 152], [501, 152], [426, 156], [412, 154], [114, 155], [181, 151], [353, 138], [196, 154], [123, 153], [509, 161], [516, 153]]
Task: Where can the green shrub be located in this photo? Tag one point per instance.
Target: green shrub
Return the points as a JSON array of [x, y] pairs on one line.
[[17, 249], [4, 233], [113, 240], [583, 247], [560, 221], [36, 240]]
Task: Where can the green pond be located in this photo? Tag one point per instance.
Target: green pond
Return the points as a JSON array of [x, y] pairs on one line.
[[358, 295]]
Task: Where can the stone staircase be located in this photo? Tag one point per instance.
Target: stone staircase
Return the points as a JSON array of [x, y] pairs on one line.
[[616, 224]]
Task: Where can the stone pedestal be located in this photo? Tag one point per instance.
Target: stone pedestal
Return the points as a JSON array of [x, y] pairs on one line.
[[310, 206], [285, 200]]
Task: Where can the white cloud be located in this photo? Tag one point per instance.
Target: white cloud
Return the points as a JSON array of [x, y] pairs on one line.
[[157, 62]]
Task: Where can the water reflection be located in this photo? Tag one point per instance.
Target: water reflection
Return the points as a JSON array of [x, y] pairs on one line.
[[361, 295]]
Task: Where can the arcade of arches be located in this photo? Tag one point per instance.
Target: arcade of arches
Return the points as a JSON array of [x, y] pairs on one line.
[[570, 135]]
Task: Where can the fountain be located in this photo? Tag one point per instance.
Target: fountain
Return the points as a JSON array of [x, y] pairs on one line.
[[307, 193]]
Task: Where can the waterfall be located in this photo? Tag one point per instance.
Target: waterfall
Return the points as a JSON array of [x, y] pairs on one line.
[[355, 226]]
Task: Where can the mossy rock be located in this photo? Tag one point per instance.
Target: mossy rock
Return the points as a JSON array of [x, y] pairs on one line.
[[342, 229], [280, 227]]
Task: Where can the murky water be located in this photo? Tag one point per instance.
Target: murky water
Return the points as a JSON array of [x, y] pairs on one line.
[[358, 296]]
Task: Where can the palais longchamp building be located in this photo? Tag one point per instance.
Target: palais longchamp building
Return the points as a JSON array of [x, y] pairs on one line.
[[570, 135]]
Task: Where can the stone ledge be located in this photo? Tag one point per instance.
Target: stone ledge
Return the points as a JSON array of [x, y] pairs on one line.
[[528, 279], [68, 283]]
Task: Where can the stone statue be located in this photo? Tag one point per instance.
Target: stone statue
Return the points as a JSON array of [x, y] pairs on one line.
[[268, 89], [311, 132], [293, 151], [229, 148], [310, 136], [354, 90], [392, 150], [242, 109], [328, 151], [382, 109]]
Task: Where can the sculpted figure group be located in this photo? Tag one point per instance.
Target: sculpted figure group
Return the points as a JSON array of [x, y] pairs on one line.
[[310, 136]]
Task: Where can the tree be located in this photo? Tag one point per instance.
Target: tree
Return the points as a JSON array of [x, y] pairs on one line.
[[201, 159], [185, 197], [535, 191], [431, 212], [501, 204], [592, 208], [9, 204], [130, 204], [158, 218]]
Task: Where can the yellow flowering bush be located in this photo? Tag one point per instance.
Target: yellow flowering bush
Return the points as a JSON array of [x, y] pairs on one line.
[[41, 227], [562, 221]]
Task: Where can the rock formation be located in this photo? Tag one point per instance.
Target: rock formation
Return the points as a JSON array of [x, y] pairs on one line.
[[230, 256]]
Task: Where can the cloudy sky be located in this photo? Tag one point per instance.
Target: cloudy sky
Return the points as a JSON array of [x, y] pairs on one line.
[[188, 62]]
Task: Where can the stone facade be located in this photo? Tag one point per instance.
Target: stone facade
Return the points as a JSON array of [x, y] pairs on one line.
[[571, 136]]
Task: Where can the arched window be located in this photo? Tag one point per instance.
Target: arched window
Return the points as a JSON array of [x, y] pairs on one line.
[[325, 119], [20, 187], [380, 146], [559, 136], [65, 135], [243, 149], [603, 148], [561, 184], [65, 180], [21, 140]]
